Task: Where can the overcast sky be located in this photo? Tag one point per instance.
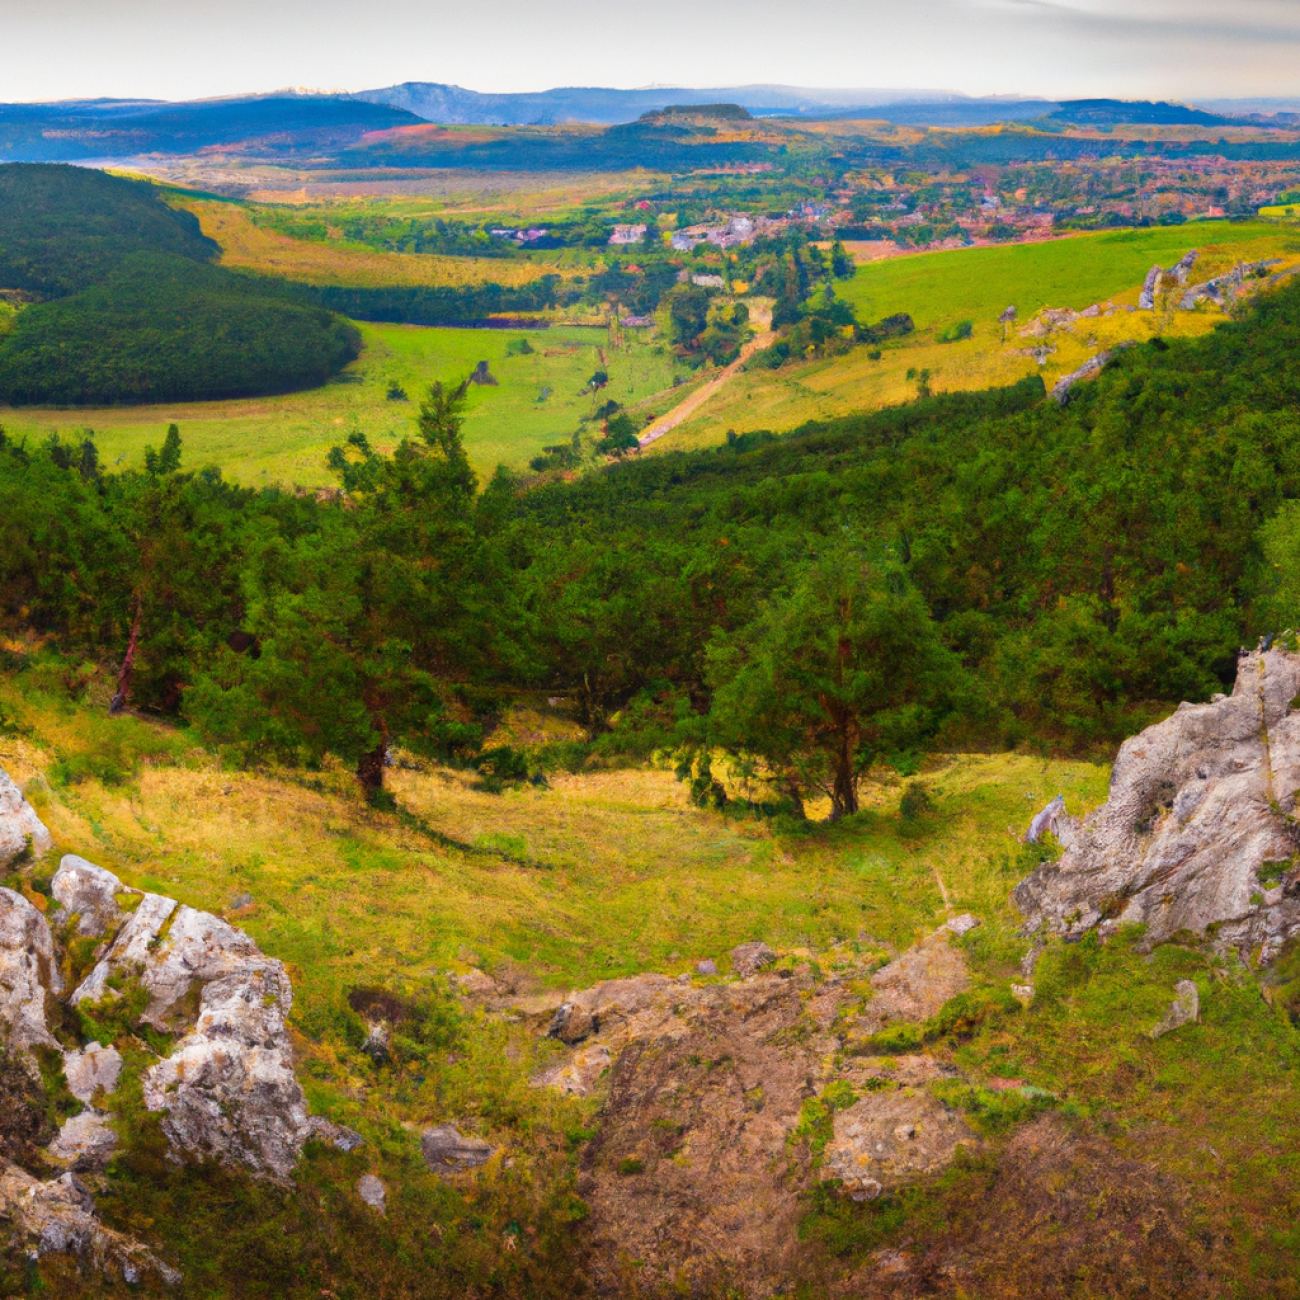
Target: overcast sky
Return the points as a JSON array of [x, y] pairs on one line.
[[185, 49]]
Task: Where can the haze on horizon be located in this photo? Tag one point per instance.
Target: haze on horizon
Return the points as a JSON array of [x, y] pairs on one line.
[[183, 49]]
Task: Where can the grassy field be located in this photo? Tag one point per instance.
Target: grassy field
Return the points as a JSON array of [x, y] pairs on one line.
[[248, 247], [609, 873], [286, 439], [940, 290]]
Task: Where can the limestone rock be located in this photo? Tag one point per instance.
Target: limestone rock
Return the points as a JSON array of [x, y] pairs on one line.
[[892, 1137], [1199, 806], [90, 892], [706, 967], [58, 1218], [573, 1022], [228, 1087], [372, 1191], [20, 827], [90, 1068], [130, 950], [447, 1151], [915, 985], [28, 972], [1047, 821], [85, 1142], [962, 924], [1186, 1007], [749, 958], [337, 1135]]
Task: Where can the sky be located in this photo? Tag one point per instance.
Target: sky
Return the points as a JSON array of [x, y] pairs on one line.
[[189, 49]]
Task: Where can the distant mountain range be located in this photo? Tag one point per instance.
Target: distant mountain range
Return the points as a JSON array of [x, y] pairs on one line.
[[298, 126]]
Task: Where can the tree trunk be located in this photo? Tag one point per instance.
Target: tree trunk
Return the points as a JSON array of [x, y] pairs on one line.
[[844, 794], [370, 769], [118, 702], [795, 796]]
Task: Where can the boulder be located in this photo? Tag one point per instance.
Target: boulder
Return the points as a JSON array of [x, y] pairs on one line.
[[28, 973], [90, 893], [130, 950], [1197, 830], [21, 830], [447, 1151], [1046, 821], [749, 958], [228, 1088], [706, 967], [573, 1022], [1185, 1008], [889, 1138], [962, 924], [372, 1191], [86, 1142], [91, 1068]]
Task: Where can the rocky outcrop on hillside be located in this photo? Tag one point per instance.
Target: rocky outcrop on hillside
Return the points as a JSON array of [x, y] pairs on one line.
[[1200, 830], [21, 830], [226, 1090]]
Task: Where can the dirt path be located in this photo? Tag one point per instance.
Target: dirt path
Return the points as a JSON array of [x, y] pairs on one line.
[[686, 408]]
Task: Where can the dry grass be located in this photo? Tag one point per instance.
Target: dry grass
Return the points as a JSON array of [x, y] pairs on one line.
[[245, 246]]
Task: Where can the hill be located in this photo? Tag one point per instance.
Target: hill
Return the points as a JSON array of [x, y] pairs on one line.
[[136, 313], [281, 125], [66, 228]]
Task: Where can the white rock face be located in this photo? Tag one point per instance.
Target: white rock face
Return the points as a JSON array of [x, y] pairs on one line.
[[19, 824], [1185, 1008], [228, 1088], [1199, 807], [28, 972], [91, 892], [90, 1068], [372, 1191], [131, 949]]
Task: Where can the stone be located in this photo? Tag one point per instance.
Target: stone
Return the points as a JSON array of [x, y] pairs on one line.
[[1150, 287], [447, 1151], [28, 972], [749, 958], [1199, 806], [91, 1068], [337, 1135], [1046, 820], [372, 1191], [81, 888], [888, 1138], [21, 830], [130, 950], [241, 901], [474, 983], [228, 1088], [573, 1022], [914, 985], [1185, 1008], [1089, 369], [706, 967], [58, 1218], [578, 1076], [377, 1042], [86, 1142], [962, 924]]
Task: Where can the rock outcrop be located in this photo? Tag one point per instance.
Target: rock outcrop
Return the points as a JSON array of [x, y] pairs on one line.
[[28, 974], [228, 1088], [1199, 832], [59, 1218], [21, 830]]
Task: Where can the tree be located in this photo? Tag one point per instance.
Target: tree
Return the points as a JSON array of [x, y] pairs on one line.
[[361, 618], [846, 669], [843, 266]]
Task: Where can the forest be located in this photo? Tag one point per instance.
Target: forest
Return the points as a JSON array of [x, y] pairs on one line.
[[126, 307], [979, 570]]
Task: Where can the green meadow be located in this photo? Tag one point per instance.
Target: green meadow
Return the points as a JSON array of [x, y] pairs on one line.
[[539, 400], [979, 283]]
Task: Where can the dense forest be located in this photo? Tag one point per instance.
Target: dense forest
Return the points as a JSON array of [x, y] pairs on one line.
[[980, 569], [127, 307]]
